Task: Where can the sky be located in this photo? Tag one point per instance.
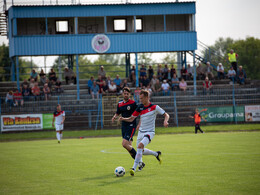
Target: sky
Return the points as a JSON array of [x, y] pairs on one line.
[[237, 19]]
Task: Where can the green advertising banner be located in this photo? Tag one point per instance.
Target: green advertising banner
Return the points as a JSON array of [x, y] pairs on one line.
[[47, 121], [223, 114]]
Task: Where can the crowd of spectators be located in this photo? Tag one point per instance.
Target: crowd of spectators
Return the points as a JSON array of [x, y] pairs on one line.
[[39, 86]]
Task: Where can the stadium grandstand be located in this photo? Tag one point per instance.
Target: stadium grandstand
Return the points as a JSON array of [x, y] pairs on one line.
[[70, 29]]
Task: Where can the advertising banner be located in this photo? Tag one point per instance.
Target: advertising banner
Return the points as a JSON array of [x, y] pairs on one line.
[[223, 114], [252, 113], [21, 122], [47, 121]]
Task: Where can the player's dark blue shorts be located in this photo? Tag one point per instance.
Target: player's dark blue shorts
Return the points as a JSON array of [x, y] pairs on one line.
[[128, 131]]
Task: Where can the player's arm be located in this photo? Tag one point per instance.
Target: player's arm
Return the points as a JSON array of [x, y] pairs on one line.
[[166, 119], [203, 118], [129, 119], [138, 126], [205, 109], [63, 119], [114, 117], [53, 121], [191, 116]]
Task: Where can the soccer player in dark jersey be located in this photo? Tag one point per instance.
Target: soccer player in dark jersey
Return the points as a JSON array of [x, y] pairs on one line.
[[147, 112], [126, 107], [197, 118]]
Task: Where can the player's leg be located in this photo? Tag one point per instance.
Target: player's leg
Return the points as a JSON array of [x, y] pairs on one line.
[[128, 146], [200, 129], [196, 129]]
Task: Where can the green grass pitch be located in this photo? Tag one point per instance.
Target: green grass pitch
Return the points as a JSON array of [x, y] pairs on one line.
[[213, 163]]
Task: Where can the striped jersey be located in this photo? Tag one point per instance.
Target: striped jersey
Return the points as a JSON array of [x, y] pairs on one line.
[[58, 116], [148, 116]]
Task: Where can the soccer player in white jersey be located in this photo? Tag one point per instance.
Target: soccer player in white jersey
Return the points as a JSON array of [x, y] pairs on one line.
[[59, 118], [147, 112]]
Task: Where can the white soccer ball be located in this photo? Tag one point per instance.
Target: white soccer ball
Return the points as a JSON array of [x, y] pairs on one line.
[[120, 171]]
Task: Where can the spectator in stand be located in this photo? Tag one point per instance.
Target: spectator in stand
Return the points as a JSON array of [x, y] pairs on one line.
[[209, 71], [200, 72], [165, 88], [34, 75], [232, 75], [36, 92], [183, 85], [9, 99], [207, 86], [104, 89], [190, 72], [173, 71], [153, 81], [108, 81], [165, 72], [175, 83], [32, 83], [102, 73], [169, 76], [184, 73], [148, 88], [112, 87], [26, 93], [150, 72], [49, 84], [232, 58], [99, 83], [25, 82], [52, 76], [241, 75], [220, 70], [42, 77], [58, 87], [157, 87], [142, 71], [160, 72], [69, 75], [144, 82], [137, 94], [18, 98], [94, 90], [132, 75], [90, 83], [46, 92], [117, 81], [123, 85]]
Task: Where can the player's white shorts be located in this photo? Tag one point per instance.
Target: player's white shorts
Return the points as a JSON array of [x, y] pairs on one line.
[[59, 127], [144, 138]]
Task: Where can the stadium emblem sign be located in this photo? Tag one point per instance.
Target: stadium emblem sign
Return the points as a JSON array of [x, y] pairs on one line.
[[100, 43]]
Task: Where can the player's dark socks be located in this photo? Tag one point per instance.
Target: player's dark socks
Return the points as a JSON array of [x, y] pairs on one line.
[[133, 153]]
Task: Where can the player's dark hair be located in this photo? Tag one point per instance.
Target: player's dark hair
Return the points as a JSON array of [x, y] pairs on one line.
[[144, 92], [126, 89], [58, 105]]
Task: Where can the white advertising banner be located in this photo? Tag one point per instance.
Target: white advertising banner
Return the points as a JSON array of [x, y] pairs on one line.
[[21, 122], [252, 113]]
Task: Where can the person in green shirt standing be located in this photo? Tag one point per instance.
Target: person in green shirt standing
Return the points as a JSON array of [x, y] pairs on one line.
[[232, 58]]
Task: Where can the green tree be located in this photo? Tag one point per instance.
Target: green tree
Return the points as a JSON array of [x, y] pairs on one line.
[[249, 55], [5, 65], [217, 53]]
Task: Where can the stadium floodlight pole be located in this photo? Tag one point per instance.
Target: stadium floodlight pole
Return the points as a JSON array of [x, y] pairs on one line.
[[77, 69], [195, 74], [136, 70]]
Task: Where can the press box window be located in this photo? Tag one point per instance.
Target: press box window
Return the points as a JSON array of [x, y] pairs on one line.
[[139, 25], [119, 24], [62, 26]]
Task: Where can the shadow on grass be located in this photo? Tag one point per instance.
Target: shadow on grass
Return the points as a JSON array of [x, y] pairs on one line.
[[110, 179]]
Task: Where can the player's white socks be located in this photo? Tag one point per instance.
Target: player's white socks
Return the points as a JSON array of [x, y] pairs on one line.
[[61, 135], [58, 136], [149, 152], [138, 157]]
